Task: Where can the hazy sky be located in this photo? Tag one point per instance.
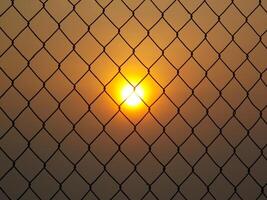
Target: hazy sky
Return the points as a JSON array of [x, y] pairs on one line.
[[202, 119]]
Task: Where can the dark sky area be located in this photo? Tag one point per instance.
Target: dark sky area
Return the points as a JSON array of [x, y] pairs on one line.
[[200, 131]]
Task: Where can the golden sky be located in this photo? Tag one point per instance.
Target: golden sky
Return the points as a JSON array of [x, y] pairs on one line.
[[147, 77]]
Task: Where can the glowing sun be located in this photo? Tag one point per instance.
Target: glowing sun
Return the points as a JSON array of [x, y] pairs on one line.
[[132, 95]]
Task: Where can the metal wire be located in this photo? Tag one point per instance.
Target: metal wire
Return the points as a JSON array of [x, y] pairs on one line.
[[58, 189]]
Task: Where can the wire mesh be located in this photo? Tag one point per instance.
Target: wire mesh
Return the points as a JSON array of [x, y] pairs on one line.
[[65, 136]]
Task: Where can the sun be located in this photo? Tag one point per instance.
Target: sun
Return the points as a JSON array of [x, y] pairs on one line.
[[132, 96]]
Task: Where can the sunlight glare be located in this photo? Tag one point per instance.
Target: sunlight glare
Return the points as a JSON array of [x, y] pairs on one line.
[[132, 96]]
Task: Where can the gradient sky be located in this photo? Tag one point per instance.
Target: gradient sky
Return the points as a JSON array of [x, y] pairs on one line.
[[204, 108]]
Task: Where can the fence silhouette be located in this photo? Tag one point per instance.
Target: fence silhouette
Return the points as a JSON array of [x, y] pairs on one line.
[[203, 136]]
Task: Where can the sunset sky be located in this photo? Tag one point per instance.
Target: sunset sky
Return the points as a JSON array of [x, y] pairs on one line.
[[123, 99]]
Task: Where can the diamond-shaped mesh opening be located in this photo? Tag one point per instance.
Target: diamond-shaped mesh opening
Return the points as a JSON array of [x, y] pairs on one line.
[[69, 128]]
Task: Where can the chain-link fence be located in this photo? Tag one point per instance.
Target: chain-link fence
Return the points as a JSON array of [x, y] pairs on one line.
[[201, 132]]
